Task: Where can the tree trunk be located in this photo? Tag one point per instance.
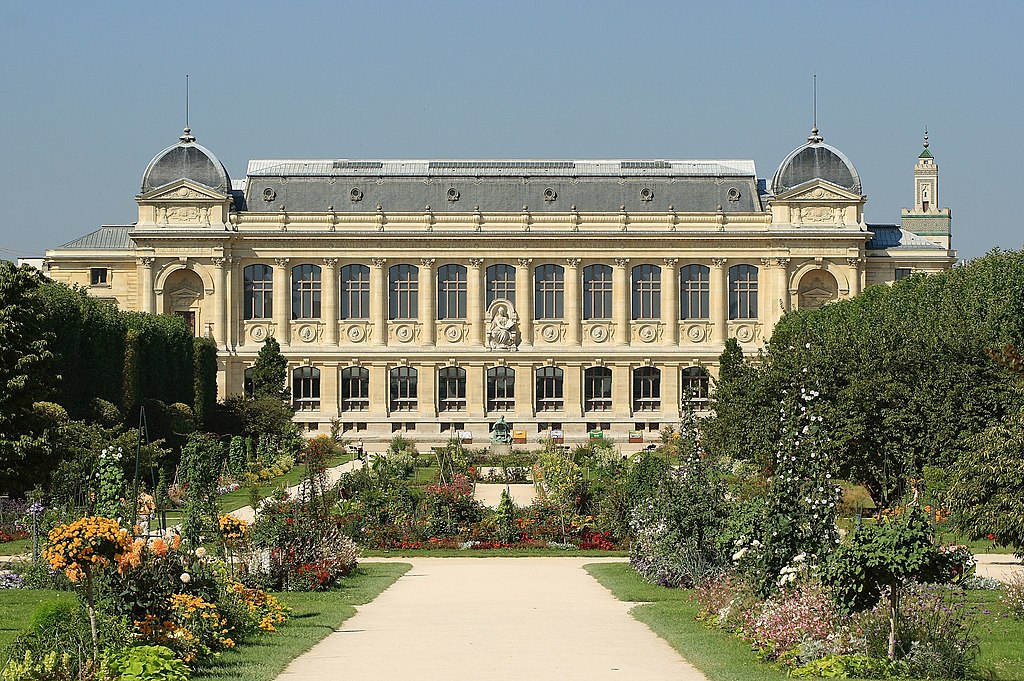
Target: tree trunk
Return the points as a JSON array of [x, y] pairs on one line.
[[92, 614], [894, 611]]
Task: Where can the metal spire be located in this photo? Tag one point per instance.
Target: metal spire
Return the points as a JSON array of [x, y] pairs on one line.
[[187, 136], [926, 137], [815, 138]]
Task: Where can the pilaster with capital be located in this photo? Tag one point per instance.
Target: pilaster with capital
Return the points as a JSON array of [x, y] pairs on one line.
[[783, 284], [426, 392], [525, 384], [524, 301], [147, 302], [572, 302], [572, 387], [474, 294], [379, 301], [428, 292], [622, 389], [329, 284], [670, 309], [719, 293], [855, 268], [282, 290], [379, 383], [220, 301], [620, 300], [330, 402], [670, 399]]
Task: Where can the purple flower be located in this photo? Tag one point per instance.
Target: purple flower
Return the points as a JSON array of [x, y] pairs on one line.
[[36, 509]]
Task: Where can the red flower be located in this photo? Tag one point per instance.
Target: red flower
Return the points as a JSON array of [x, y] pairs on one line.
[[990, 536]]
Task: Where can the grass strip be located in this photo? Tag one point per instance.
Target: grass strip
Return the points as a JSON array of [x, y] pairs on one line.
[[314, 616], [232, 501], [18, 546], [492, 553], [17, 608]]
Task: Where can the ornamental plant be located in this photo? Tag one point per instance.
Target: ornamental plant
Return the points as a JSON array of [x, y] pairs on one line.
[[110, 483], [148, 663], [200, 465], [195, 629], [81, 549]]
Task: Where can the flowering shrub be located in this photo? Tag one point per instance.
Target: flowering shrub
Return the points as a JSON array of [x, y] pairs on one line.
[[265, 611], [110, 496], [195, 629], [451, 508], [232, 529], [90, 542], [805, 614], [1013, 597], [11, 580]]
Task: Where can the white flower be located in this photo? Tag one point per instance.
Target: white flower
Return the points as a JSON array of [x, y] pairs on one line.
[[185, 578], [200, 553], [800, 557]]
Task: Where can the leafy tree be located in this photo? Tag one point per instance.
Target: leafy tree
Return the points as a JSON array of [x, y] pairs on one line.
[[201, 460], [25, 356], [205, 351], [270, 371]]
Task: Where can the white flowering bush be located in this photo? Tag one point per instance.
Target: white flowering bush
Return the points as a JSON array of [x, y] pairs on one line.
[[110, 483], [1013, 597]]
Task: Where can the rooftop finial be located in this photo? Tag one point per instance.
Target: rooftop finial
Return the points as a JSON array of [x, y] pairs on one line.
[[926, 137], [187, 136], [815, 138]]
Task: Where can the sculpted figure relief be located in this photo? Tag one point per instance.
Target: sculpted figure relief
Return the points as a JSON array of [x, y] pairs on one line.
[[501, 331]]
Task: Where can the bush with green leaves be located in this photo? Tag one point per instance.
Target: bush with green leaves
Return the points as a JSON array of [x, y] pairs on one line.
[[148, 663], [110, 483]]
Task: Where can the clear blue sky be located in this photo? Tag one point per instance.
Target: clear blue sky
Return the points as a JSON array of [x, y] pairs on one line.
[[91, 91]]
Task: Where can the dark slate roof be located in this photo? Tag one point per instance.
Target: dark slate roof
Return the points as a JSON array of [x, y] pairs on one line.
[[462, 186], [892, 236], [814, 161], [186, 160], [108, 238]]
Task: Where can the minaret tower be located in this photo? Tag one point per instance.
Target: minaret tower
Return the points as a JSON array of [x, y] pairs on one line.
[[926, 219]]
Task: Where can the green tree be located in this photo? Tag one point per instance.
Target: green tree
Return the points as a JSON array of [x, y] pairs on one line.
[[270, 371]]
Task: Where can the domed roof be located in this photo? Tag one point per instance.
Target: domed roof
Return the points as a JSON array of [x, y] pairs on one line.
[[816, 161], [186, 160]]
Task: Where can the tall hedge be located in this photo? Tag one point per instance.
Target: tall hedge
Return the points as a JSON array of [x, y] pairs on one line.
[[205, 352]]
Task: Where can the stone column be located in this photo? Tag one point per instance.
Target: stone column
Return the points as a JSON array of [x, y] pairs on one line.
[[220, 302], [330, 402], [428, 291], [767, 288], [524, 392], [474, 307], [783, 275], [426, 391], [670, 393], [282, 296], [621, 300], [719, 293], [670, 298], [235, 300], [853, 267], [572, 389], [147, 302], [380, 379], [524, 304], [572, 301], [329, 309], [379, 301]]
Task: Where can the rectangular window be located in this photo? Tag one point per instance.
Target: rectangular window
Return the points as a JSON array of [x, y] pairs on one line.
[[549, 389], [258, 291], [743, 292], [501, 283], [355, 292], [694, 292], [306, 292], [597, 292], [98, 276], [646, 292], [550, 292], [451, 292], [903, 272], [403, 388], [403, 298], [501, 389]]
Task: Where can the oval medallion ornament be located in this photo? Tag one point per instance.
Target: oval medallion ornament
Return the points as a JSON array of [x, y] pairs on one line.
[[453, 333], [599, 334], [646, 333], [356, 333], [258, 333], [695, 333], [404, 333], [549, 333], [307, 332], [744, 333]]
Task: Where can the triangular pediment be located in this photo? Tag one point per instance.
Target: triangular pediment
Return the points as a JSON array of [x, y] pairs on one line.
[[819, 191], [182, 190]]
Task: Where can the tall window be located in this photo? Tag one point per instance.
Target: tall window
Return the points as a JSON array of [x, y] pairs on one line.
[[403, 389], [501, 283], [597, 292], [355, 292], [742, 292], [451, 292], [248, 387], [694, 387], [306, 292], [549, 292], [549, 389], [501, 389], [694, 290], [306, 389], [451, 389], [258, 286], [403, 290], [646, 292], [597, 389], [355, 389], [646, 389]]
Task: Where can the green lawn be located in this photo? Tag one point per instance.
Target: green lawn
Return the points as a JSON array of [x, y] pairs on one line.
[[491, 553], [16, 609], [314, 616], [17, 547], [232, 501], [670, 614]]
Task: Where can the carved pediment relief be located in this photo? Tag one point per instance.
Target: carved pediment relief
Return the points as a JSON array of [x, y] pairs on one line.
[[819, 190], [183, 190], [184, 296]]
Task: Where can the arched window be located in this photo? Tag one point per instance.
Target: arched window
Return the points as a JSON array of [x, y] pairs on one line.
[[355, 292], [694, 288], [355, 389], [248, 387], [258, 286], [549, 288], [549, 389], [742, 292], [693, 386], [597, 389], [451, 292], [403, 289], [306, 389], [597, 292], [646, 389], [402, 389], [646, 292], [451, 389], [501, 389], [306, 292], [501, 283]]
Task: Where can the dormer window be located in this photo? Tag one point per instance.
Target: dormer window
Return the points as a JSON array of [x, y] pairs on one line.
[[99, 276]]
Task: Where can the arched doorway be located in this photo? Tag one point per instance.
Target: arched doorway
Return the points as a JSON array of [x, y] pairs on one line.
[[817, 287], [183, 296]]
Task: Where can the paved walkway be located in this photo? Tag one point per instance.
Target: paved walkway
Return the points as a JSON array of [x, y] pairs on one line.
[[247, 514], [486, 619], [489, 494], [1001, 566]]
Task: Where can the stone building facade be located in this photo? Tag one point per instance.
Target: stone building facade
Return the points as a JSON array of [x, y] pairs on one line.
[[431, 297]]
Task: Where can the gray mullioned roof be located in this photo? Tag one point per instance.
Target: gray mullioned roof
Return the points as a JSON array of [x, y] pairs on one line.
[[814, 161], [462, 186], [186, 160], [107, 238], [889, 237]]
